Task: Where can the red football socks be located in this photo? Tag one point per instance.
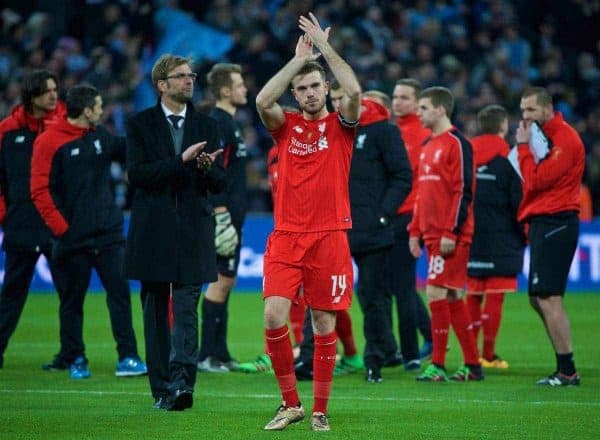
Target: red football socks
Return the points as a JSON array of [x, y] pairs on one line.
[[474, 306], [440, 325], [461, 323], [492, 315], [282, 358], [343, 328], [323, 365], [297, 314]]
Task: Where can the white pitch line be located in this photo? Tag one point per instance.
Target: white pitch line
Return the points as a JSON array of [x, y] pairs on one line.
[[333, 397]]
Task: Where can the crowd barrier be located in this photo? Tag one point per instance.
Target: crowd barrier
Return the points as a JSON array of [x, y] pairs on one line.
[[584, 275]]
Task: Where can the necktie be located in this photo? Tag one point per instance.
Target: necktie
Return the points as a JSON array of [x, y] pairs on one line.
[[175, 120]]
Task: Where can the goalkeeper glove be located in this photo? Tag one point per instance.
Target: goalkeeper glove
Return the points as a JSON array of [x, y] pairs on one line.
[[226, 237]]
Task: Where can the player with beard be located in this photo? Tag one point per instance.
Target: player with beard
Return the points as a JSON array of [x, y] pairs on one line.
[[309, 245], [26, 237], [550, 205]]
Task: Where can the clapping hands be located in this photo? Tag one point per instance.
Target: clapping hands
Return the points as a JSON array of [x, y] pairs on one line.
[[312, 29], [204, 160]]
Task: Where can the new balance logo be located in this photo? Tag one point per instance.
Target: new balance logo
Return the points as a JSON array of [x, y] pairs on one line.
[[554, 382]]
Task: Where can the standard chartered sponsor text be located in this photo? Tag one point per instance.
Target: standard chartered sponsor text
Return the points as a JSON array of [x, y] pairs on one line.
[[301, 149]]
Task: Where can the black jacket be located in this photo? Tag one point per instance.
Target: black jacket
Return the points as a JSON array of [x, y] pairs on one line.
[[380, 179], [171, 232], [235, 157], [71, 186], [499, 240], [22, 224], [23, 227]]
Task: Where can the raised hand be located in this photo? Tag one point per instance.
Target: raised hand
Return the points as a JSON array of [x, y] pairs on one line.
[[523, 132], [304, 49], [311, 27]]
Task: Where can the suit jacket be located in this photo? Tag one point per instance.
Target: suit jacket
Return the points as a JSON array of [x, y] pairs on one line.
[[171, 232]]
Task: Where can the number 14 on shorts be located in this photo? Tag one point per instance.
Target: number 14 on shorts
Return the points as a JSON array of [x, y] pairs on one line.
[[338, 288]]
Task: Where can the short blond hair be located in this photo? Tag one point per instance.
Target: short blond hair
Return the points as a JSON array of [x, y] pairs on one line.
[[220, 76], [381, 97], [542, 97], [165, 64]]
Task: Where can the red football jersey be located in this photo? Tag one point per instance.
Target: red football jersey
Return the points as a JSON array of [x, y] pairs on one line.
[[272, 169], [444, 205], [313, 170], [414, 135], [553, 185]]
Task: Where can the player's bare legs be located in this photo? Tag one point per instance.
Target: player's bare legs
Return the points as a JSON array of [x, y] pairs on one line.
[[557, 323]]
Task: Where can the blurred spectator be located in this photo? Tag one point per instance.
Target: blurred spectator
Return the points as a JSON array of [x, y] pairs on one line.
[[485, 51]]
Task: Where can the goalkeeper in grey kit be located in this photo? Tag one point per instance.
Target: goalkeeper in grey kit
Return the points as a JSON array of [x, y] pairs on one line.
[[226, 83]]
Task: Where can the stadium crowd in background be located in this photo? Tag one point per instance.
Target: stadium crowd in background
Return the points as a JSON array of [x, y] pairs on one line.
[[485, 52]]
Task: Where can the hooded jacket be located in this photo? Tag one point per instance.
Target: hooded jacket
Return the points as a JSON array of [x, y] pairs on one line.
[[22, 225], [380, 178], [498, 239], [70, 186]]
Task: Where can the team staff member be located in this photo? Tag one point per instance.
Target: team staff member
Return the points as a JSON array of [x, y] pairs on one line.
[[226, 83], [551, 203], [26, 237], [171, 241], [380, 179], [443, 219], [70, 187], [412, 313], [496, 256], [309, 246]]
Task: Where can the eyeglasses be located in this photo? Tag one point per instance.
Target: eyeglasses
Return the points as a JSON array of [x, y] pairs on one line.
[[191, 75]]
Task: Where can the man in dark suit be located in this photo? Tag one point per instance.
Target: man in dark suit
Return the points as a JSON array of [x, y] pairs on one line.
[[170, 246]]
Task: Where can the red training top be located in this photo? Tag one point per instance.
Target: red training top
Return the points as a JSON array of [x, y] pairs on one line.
[[553, 185], [414, 135], [444, 205]]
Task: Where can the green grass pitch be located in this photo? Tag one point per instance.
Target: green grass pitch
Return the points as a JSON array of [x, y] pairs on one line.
[[508, 405]]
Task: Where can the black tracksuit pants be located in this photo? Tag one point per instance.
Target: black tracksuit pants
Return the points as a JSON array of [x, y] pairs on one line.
[[412, 313], [372, 292], [77, 268], [171, 354], [19, 268]]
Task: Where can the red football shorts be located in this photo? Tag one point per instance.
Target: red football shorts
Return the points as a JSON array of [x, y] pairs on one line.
[[479, 286], [320, 262], [448, 271]]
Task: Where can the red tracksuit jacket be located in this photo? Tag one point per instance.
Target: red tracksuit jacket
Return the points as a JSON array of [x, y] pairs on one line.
[[444, 204], [553, 184]]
